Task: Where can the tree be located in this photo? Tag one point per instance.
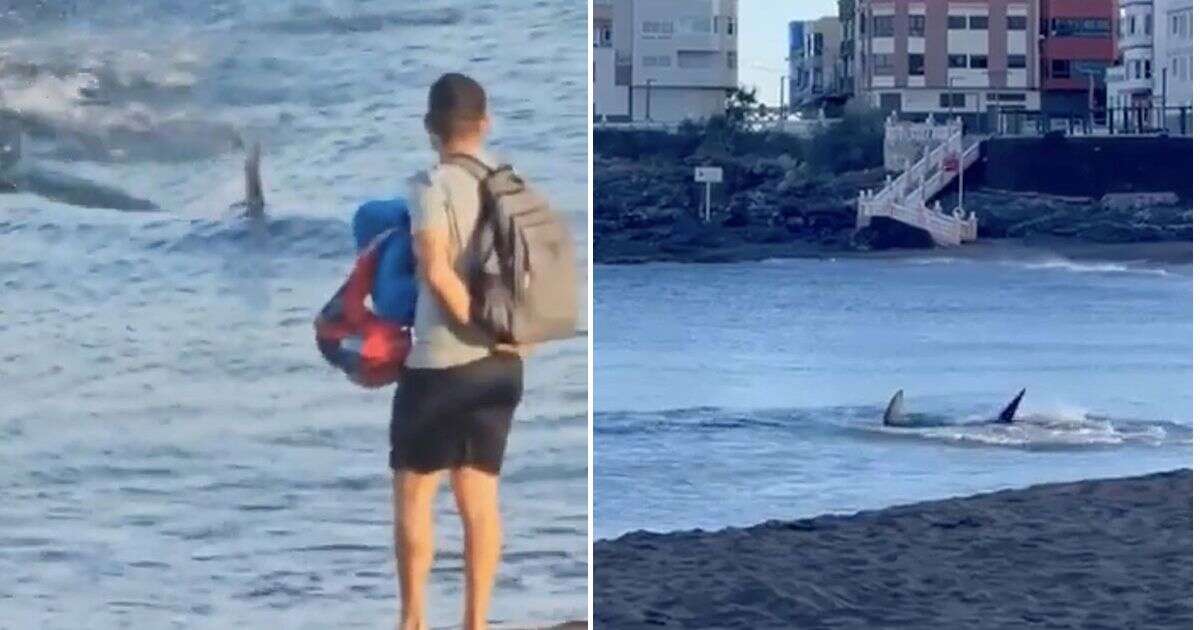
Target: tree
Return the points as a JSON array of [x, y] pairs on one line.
[[740, 106]]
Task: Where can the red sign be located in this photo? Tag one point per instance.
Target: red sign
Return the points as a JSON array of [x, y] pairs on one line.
[[950, 164]]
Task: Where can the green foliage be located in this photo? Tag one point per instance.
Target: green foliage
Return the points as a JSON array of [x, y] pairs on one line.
[[854, 142], [739, 107]]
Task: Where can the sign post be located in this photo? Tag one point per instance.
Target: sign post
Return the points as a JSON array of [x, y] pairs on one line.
[[709, 175]]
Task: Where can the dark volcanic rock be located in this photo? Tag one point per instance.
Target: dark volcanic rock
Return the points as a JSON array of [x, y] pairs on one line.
[[888, 234], [767, 206]]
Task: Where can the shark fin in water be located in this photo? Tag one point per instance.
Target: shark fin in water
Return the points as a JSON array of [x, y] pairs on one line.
[[255, 202], [1010, 412], [894, 414]]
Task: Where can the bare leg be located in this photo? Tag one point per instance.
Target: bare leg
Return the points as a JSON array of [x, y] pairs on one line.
[[412, 502], [477, 495]]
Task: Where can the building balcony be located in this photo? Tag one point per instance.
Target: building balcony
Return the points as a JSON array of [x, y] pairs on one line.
[[1132, 86], [1080, 48], [1135, 41]]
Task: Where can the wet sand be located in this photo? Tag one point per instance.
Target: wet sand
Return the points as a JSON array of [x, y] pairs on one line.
[[1103, 554]]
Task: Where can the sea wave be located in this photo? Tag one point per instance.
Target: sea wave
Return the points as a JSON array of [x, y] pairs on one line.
[[1062, 264], [1062, 428]]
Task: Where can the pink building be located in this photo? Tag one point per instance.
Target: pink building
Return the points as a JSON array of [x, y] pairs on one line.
[[967, 58]]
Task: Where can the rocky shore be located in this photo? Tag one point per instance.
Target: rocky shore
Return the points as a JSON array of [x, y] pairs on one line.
[[647, 208]]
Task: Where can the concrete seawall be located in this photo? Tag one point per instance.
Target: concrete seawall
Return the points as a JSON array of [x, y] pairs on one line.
[[1087, 166]]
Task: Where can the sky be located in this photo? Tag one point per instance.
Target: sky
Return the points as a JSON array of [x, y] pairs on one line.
[[763, 40]]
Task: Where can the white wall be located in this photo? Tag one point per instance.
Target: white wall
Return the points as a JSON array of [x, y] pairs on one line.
[[925, 101], [1173, 51], [609, 99], [674, 105]]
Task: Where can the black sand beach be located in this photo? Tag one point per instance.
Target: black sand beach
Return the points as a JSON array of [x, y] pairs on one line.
[[1105, 554]]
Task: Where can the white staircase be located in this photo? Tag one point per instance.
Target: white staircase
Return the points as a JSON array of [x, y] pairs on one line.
[[904, 198]]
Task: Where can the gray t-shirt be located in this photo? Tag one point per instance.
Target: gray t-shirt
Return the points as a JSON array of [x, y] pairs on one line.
[[446, 197]]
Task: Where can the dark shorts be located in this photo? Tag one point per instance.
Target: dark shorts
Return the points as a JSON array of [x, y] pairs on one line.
[[455, 417]]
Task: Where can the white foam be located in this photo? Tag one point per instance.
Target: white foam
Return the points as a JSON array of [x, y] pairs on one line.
[[1062, 264]]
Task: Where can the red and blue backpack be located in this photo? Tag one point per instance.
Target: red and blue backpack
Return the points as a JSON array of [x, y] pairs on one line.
[[370, 343]]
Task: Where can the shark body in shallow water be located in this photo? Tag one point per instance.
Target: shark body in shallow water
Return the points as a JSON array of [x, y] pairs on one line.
[[895, 416], [18, 174]]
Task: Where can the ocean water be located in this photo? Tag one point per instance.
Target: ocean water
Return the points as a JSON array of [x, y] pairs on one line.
[[175, 453], [732, 394]]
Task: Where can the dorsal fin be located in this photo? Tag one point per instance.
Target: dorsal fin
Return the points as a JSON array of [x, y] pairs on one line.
[[1010, 412], [255, 202], [894, 414]]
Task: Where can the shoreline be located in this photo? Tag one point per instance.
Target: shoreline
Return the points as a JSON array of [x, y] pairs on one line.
[[1156, 253], [1108, 553]]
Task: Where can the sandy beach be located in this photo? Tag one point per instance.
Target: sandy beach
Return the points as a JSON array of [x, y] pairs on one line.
[[1101, 554]]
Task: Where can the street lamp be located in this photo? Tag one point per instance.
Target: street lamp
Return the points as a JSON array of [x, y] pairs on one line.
[[649, 82], [950, 84]]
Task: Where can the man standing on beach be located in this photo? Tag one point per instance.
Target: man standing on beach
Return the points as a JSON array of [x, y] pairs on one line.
[[456, 398]]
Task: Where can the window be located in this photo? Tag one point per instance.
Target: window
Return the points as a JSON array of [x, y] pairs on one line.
[[731, 27], [818, 44], [656, 61], [818, 79], [694, 25], [957, 61], [916, 65], [697, 58], [1083, 68], [882, 63], [1006, 97], [978, 62], [883, 25], [889, 101], [956, 22], [979, 22], [731, 59], [1080, 27], [1148, 25], [1017, 23], [1016, 61], [951, 99], [1060, 69], [1175, 67], [916, 25], [655, 29]]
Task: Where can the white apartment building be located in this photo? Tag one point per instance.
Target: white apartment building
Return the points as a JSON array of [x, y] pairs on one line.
[[966, 58], [1130, 83], [663, 60], [1173, 57], [609, 98]]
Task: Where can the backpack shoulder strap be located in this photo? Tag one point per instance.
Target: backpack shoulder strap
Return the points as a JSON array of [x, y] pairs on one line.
[[471, 164]]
